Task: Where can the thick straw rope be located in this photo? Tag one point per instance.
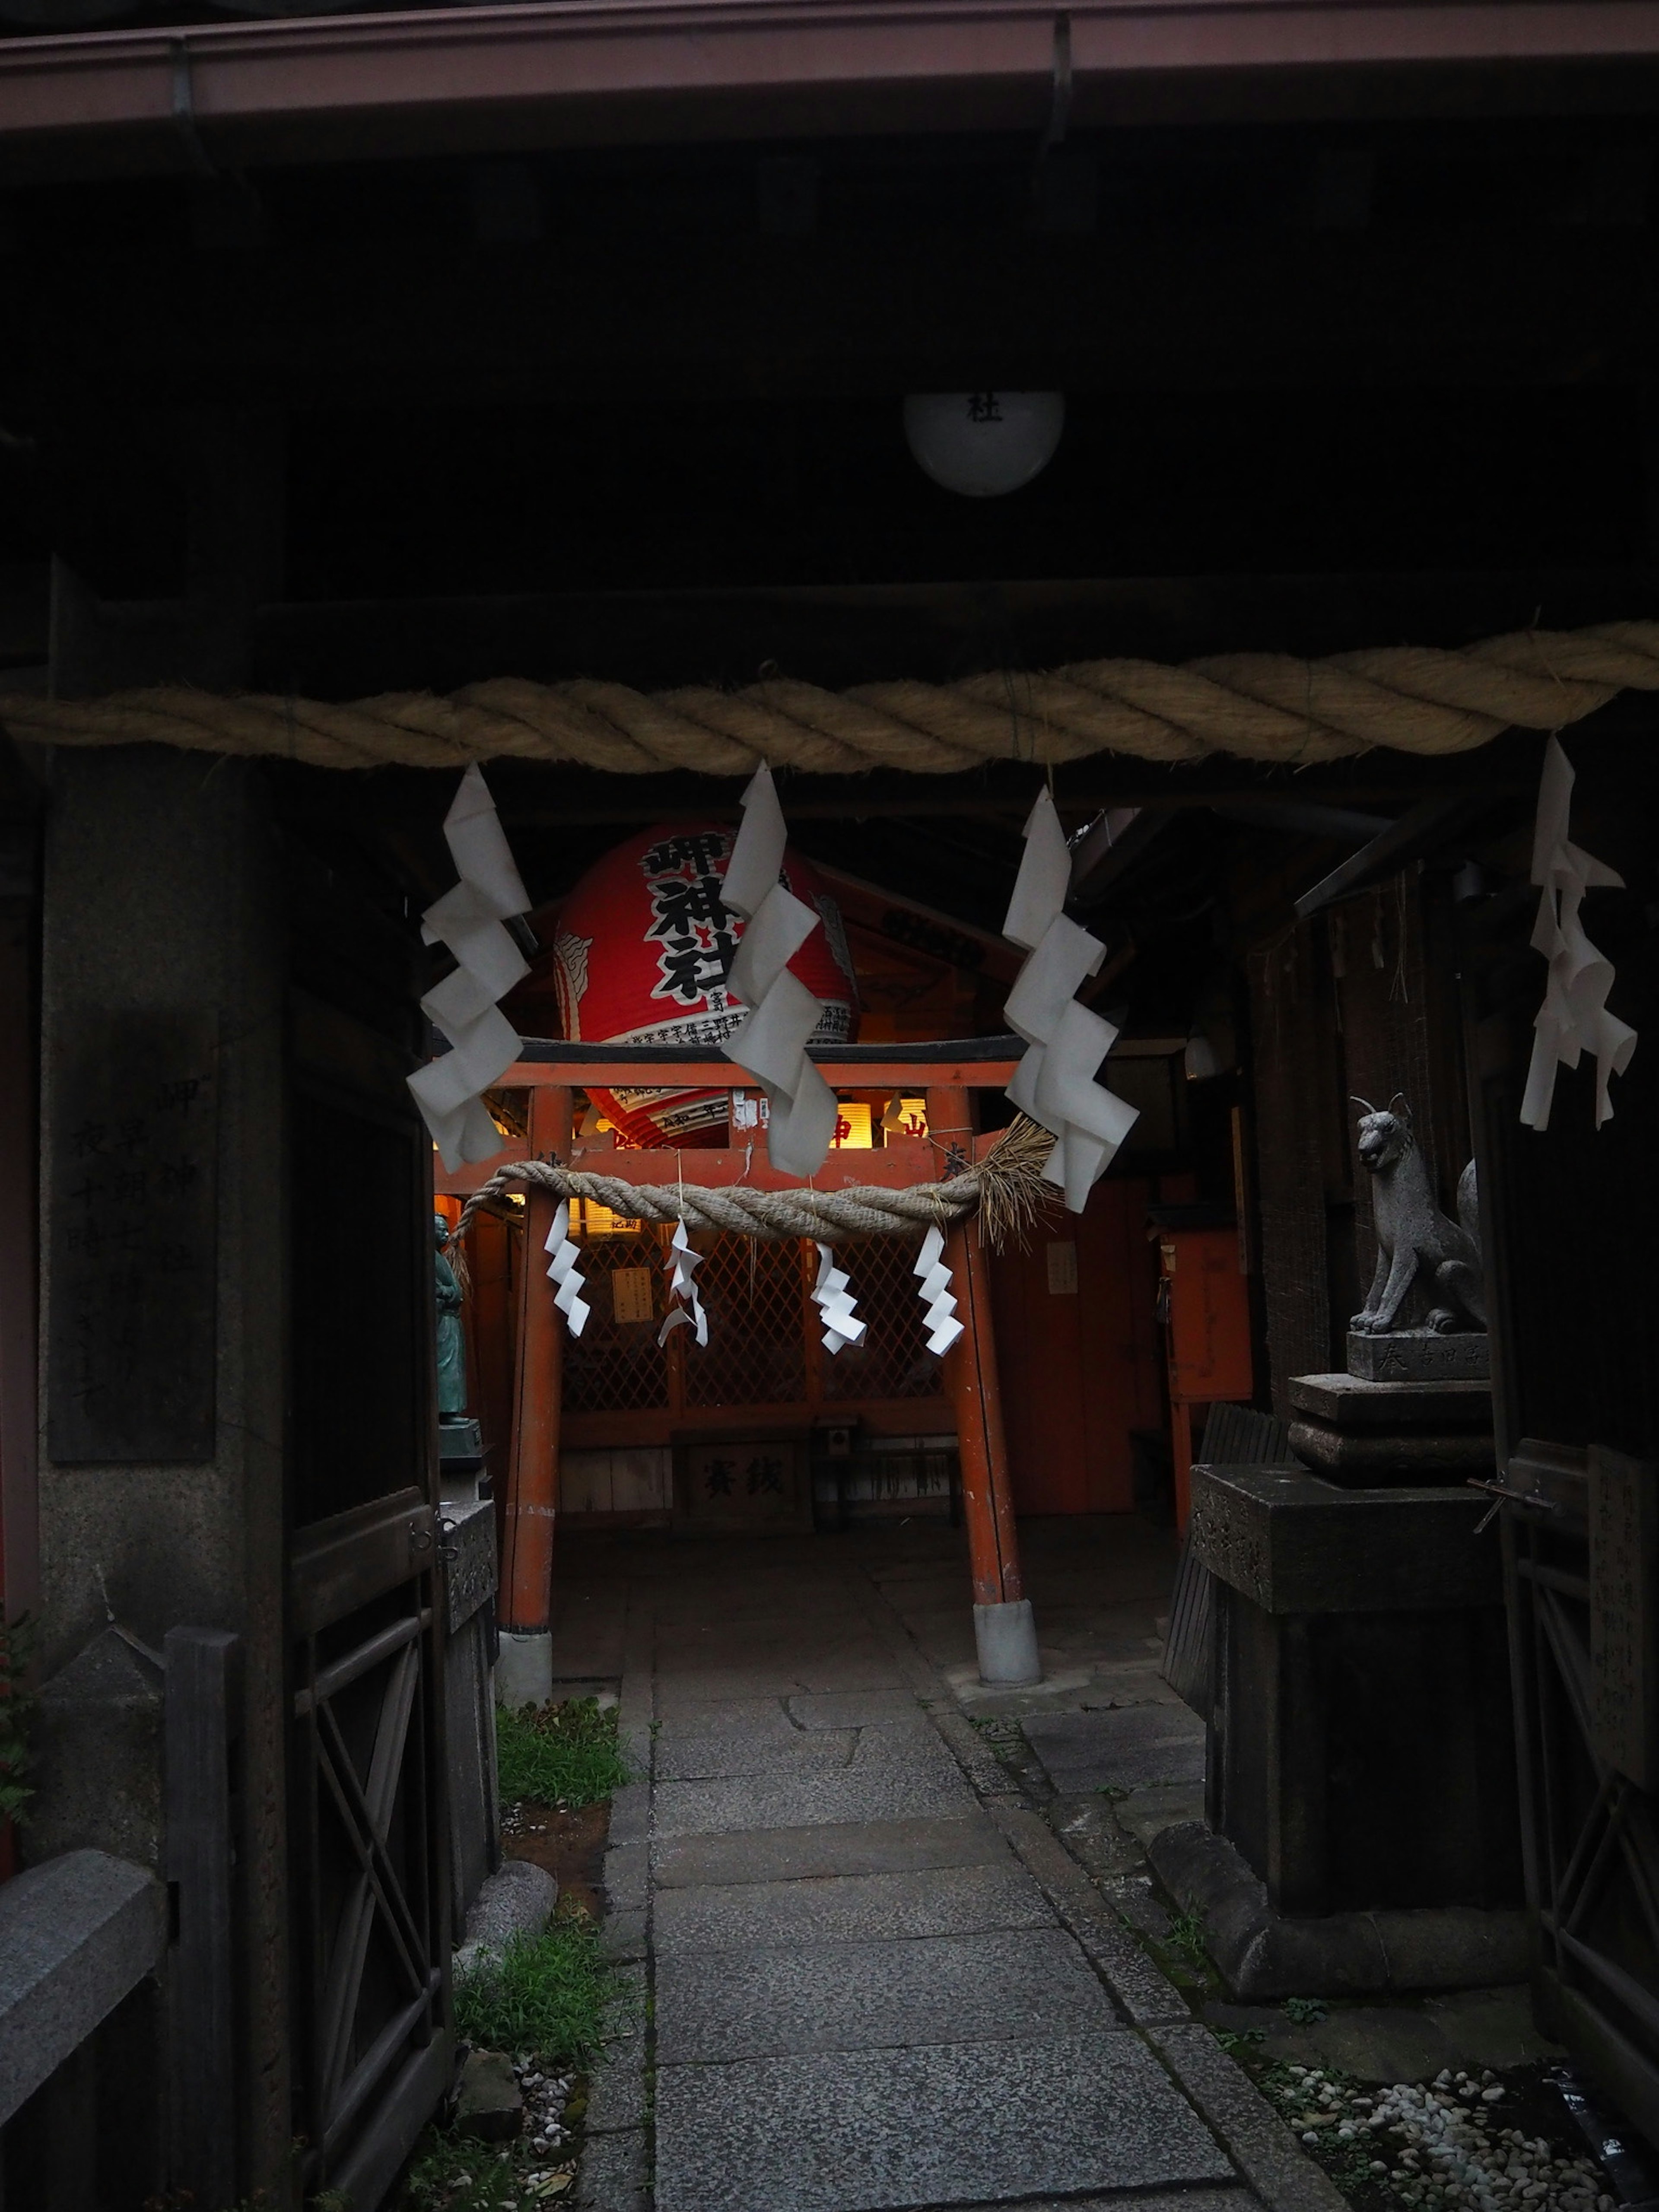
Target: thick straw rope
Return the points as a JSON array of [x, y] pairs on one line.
[[1006, 1186], [1261, 706]]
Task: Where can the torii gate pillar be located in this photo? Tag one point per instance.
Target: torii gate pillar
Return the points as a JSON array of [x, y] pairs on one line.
[[1004, 1632], [525, 1670]]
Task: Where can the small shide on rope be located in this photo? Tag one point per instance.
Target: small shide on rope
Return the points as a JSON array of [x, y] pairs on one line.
[[1007, 1188]]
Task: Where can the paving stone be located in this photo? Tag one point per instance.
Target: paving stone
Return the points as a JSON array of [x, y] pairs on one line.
[[689, 1753], [836, 1709], [630, 1813], [616, 2094], [1144, 1994], [1206, 2197], [622, 1936], [615, 2174], [842, 1847], [847, 1909], [1030, 1984], [786, 1675], [896, 1790], [1133, 1747], [626, 1877], [951, 2123], [1268, 2154]]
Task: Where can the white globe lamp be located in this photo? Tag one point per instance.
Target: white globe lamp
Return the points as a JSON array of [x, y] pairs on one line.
[[983, 444]]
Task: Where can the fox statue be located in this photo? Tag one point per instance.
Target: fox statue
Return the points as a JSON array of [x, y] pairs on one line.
[[1411, 1232]]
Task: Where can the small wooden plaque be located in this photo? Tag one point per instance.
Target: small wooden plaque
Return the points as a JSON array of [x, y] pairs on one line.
[[1624, 1553], [743, 1481], [134, 1283]]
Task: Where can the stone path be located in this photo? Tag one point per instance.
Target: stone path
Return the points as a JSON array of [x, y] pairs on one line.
[[867, 1974]]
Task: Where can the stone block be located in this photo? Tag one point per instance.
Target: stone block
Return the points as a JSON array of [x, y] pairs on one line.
[[76, 1934], [688, 1753], [1375, 1456], [848, 1909], [1352, 1402], [622, 1936], [1294, 1544], [1266, 2152], [616, 2096], [1263, 1954], [517, 1899], [840, 1847], [469, 1576], [99, 1763], [949, 2124], [489, 2102], [1028, 1985], [1412, 1355]]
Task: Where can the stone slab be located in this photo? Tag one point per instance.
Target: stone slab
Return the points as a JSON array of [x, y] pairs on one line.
[[1294, 1544], [781, 1675], [834, 1709], [687, 1752], [1029, 1985], [1135, 1748], [1267, 2152], [627, 1875], [950, 2124], [885, 1782], [630, 1813], [76, 1934], [845, 1847], [1350, 1401], [1420, 1356], [1206, 2199], [848, 1909], [1447, 1455], [615, 2174]]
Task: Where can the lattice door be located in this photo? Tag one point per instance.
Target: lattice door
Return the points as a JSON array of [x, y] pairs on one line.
[[617, 1366], [756, 1296], [893, 1361]]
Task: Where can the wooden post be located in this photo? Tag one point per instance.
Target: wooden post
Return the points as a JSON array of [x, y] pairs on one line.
[[975, 1393], [526, 1593]]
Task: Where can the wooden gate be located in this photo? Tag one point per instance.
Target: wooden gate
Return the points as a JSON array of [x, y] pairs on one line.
[[1571, 1221], [368, 1892]]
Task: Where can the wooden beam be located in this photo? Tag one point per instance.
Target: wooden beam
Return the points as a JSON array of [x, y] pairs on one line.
[[533, 1485], [895, 1165], [964, 1062]]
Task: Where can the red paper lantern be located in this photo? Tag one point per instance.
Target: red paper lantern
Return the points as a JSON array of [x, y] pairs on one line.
[[640, 957]]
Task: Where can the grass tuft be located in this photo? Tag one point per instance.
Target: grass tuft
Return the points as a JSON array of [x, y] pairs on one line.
[[564, 1755], [546, 1994]]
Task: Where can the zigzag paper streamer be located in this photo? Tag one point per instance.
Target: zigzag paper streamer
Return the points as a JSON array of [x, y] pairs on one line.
[[683, 1267], [1574, 1017], [1056, 1081], [769, 1045], [483, 1043], [941, 1323], [842, 1325], [565, 1268]]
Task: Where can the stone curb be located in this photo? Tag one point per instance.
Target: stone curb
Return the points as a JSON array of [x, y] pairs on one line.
[[1142, 1994], [1254, 2136]]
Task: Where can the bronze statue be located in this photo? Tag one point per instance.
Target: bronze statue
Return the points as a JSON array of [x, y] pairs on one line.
[[451, 1343]]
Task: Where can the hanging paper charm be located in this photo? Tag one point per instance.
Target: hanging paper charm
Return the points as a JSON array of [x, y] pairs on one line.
[[565, 1268], [942, 1325], [841, 1325], [1574, 1017], [1056, 1081], [468, 919], [769, 1044], [683, 1266]]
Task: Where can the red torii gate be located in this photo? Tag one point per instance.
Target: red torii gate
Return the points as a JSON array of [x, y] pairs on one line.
[[945, 1074]]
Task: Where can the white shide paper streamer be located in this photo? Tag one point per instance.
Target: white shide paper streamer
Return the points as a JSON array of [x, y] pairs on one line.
[[1574, 1017], [565, 1268], [1054, 1082], [683, 1266], [842, 1325], [483, 1043], [769, 1045], [942, 1325]]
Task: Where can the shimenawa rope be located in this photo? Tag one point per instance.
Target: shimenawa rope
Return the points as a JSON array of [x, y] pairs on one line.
[[1007, 1188], [1260, 706]]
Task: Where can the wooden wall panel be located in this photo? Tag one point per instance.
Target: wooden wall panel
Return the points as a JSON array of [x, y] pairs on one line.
[[1080, 1368]]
